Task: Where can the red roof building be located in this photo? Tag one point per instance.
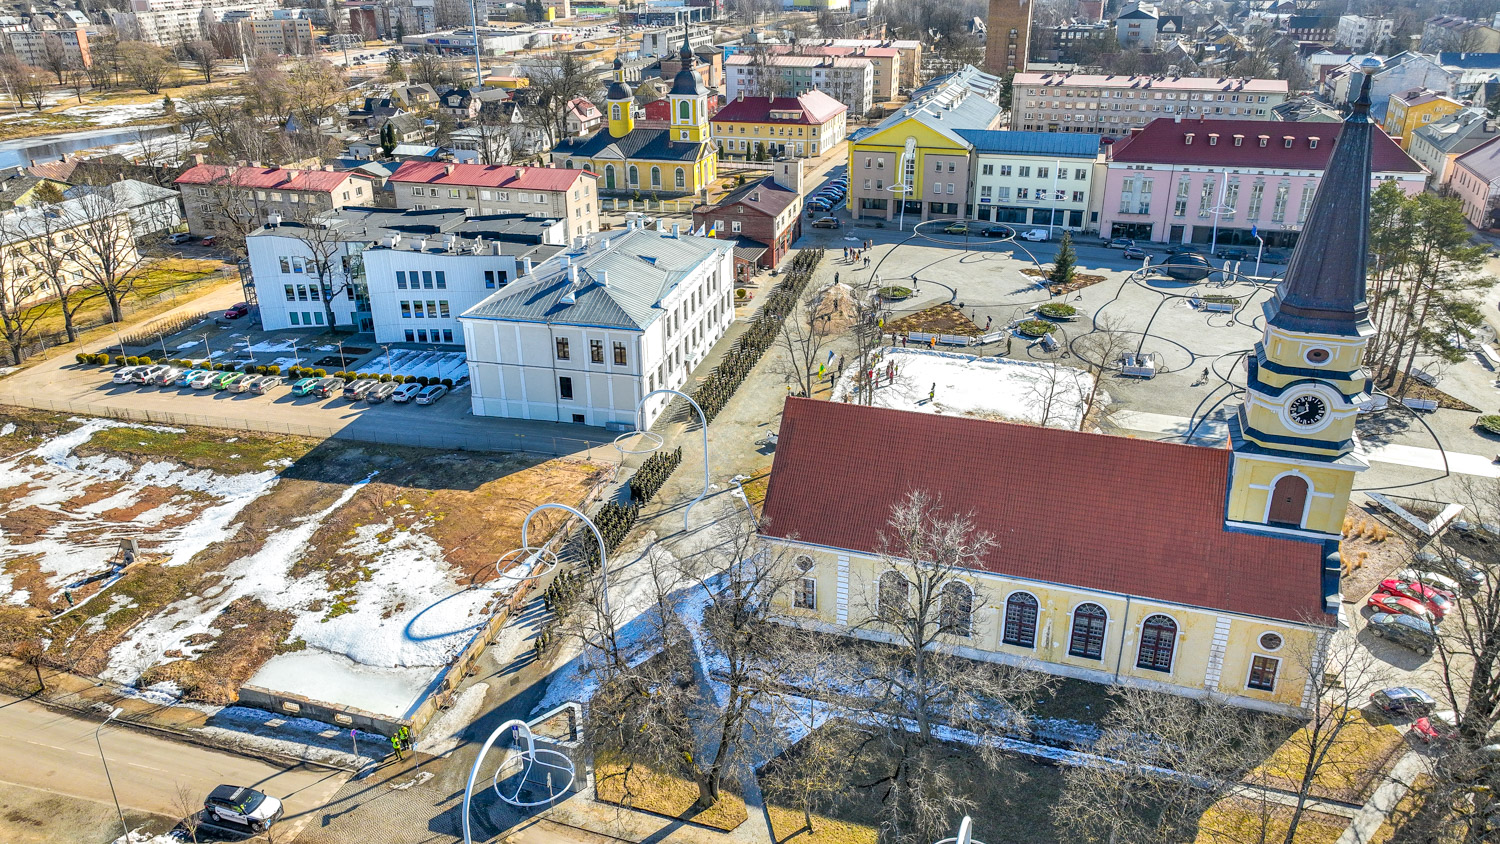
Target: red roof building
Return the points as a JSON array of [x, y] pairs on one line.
[[1113, 514], [806, 126], [1220, 183], [501, 189], [212, 194]]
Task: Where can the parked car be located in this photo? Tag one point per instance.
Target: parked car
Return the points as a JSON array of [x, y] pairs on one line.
[[243, 385], [1403, 700], [1034, 235], [145, 374], [356, 390], [1121, 243], [1408, 632], [431, 393], [380, 392], [205, 379], [227, 380], [1231, 253], [956, 228], [304, 386], [210, 240], [1271, 256], [1134, 252], [179, 237], [1462, 569], [167, 377], [327, 387], [1386, 602], [1436, 580], [244, 806], [264, 384], [998, 231], [186, 378], [1186, 266], [124, 374], [406, 392], [1435, 599], [238, 310], [826, 223]]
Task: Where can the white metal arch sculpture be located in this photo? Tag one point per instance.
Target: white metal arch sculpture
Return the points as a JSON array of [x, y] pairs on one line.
[[603, 562], [658, 441], [551, 761]]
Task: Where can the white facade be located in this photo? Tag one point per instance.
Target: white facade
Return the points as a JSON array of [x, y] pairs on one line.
[[1361, 32], [1033, 189], [548, 348], [287, 287], [850, 80], [170, 22]]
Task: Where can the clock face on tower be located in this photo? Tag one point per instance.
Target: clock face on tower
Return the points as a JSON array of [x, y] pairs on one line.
[[1307, 410]]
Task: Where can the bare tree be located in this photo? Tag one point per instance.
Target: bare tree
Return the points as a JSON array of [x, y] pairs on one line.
[[18, 317], [203, 55], [1099, 351], [553, 88], [54, 56], [805, 336], [918, 612], [147, 65], [189, 805], [23, 81], [104, 69], [1341, 674], [48, 258], [77, 77], [1169, 759], [328, 262], [430, 69], [105, 252]]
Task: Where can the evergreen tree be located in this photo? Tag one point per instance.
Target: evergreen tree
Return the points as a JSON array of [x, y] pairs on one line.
[[394, 71], [1064, 264], [168, 107], [388, 138]]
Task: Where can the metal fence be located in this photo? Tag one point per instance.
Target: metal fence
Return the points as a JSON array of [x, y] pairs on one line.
[[538, 444]]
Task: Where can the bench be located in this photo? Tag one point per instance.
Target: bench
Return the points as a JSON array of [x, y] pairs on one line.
[[1420, 404], [1137, 366]]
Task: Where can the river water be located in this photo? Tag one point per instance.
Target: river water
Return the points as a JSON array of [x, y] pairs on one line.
[[24, 152]]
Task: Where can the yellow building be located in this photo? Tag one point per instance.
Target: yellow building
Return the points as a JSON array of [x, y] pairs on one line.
[[917, 156], [1187, 569], [675, 161], [805, 126], [1411, 110]]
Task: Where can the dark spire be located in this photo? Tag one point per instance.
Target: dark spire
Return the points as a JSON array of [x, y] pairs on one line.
[[686, 53], [1324, 288]]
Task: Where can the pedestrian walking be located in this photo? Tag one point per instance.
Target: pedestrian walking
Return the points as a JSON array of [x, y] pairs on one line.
[[841, 363], [987, 321], [932, 393], [835, 278], [932, 342], [903, 341], [867, 262]]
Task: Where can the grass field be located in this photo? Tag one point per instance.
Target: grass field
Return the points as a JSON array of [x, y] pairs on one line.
[[1237, 821], [157, 278], [661, 794], [1352, 767]]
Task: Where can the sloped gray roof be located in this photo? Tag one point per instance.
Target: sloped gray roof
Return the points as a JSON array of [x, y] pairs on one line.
[[128, 193], [641, 266]]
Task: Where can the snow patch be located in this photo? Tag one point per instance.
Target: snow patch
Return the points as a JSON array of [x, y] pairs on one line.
[[446, 732], [7, 429], [965, 385]]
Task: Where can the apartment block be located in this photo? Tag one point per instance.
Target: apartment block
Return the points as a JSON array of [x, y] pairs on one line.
[[851, 81], [1113, 105]]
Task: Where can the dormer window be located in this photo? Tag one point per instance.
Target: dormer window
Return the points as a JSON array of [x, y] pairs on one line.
[[1239, 140], [1213, 139], [1265, 139], [1188, 138], [1312, 143], [1286, 141]]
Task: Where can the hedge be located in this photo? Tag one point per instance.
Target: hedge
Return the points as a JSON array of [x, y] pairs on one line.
[[1036, 327]]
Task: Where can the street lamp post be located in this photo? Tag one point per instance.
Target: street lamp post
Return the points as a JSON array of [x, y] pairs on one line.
[[387, 347], [207, 356], [296, 361], [125, 830]]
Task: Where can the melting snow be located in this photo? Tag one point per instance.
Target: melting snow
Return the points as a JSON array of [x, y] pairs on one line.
[[7, 429], [446, 732]]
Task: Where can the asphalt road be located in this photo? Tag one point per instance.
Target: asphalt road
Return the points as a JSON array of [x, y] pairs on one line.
[[61, 757]]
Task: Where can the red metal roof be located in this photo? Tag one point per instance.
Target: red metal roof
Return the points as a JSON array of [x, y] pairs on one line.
[[1135, 517], [1164, 141], [816, 108], [488, 175], [276, 178]]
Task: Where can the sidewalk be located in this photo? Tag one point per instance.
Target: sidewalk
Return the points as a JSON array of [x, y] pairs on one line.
[[1368, 820]]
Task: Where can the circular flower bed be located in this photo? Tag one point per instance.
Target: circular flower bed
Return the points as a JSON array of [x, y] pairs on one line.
[[895, 294], [1490, 423], [1057, 310], [1036, 327]]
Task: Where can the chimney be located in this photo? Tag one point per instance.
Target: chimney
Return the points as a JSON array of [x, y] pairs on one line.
[[525, 266], [676, 229], [273, 220], [421, 245], [573, 275], [448, 169]]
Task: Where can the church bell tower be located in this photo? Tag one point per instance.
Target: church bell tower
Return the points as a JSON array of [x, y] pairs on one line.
[[1293, 437]]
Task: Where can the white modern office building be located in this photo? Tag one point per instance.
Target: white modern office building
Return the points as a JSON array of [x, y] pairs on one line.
[[403, 275], [586, 334]]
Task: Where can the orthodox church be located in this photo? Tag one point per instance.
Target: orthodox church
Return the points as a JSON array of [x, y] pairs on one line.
[[1188, 569], [678, 160]]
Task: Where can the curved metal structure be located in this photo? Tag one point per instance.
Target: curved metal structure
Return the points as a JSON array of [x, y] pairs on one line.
[[533, 758], [965, 834], [603, 562], [639, 430]]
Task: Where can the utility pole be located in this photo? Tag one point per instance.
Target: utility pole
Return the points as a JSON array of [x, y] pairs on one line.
[[474, 24], [125, 830]]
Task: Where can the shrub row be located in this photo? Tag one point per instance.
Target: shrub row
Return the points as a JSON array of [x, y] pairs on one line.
[[424, 380], [719, 386]]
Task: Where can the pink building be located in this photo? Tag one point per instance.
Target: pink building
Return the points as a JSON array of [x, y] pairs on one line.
[[1216, 181], [1476, 181]]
